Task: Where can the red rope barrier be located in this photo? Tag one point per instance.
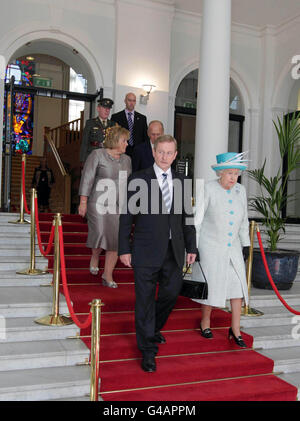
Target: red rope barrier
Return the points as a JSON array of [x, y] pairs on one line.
[[270, 277], [65, 286], [23, 188], [37, 223]]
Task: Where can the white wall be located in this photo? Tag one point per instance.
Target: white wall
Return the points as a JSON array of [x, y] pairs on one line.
[[143, 55]]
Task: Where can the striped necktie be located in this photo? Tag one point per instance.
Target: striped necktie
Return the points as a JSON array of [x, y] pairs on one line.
[[130, 127], [166, 192]]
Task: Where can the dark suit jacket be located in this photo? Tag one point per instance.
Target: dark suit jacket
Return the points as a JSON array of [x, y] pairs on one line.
[[139, 125], [142, 156], [151, 235]]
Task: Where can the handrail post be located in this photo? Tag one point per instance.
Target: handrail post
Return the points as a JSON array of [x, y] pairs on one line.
[[32, 269], [248, 311], [95, 348], [21, 219], [55, 319]]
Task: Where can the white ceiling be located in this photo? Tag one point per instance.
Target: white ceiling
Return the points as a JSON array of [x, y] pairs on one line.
[[250, 12]]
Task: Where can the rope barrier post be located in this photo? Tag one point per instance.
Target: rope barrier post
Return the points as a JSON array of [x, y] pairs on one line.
[[55, 319], [95, 349], [21, 219], [248, 311], [32, 269]]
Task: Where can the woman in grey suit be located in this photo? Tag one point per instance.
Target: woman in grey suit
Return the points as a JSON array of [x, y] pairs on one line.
[[99, 199]]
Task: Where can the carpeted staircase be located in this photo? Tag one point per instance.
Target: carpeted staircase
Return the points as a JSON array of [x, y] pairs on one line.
[[189, 367]]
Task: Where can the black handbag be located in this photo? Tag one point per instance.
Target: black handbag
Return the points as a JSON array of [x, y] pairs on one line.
[[194, 289]]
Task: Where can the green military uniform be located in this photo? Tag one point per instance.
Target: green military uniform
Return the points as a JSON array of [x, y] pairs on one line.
[[93, 136]]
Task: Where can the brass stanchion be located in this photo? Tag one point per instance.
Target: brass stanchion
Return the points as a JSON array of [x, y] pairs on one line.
[[95, 349], [55, 319], [248, 311], [21, 219], [32, 270]]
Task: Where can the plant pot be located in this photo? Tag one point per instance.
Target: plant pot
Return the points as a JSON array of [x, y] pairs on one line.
[[283, 266]]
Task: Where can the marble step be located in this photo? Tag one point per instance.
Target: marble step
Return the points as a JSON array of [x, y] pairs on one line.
[[20, 329], [85, 398], [292, 378], [11, 216], [9, 278], [275, 336], [286, 360], [272, 316], [7, 228], [18, 263], [38, 354], [29, 302], [14, 240], [21, 250], [45, 383], [270, 299]]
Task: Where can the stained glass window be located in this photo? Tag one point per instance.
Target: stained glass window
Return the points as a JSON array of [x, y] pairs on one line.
[[23, 71]]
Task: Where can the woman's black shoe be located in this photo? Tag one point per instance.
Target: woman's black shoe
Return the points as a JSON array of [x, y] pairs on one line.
[[206, 333], [238, 339]]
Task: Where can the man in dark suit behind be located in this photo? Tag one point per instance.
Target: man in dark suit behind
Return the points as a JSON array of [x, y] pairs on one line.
[[163, 230], [138, 134], [142, 156]]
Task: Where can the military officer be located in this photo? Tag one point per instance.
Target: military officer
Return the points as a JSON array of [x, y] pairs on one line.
[[95, 129]]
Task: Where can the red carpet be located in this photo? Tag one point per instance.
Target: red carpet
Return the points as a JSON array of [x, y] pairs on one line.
[[189, 367]]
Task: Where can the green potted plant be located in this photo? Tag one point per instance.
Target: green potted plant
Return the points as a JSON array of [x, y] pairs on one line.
[[270, 202]]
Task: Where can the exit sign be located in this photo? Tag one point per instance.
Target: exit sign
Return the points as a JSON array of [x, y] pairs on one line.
[[43, 82]]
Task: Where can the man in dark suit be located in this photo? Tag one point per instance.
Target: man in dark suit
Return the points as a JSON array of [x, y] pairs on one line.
[[133, 121], [94, 131], [163, 230], [142, 156]]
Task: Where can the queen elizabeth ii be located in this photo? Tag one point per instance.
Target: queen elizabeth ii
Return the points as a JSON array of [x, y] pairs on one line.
[[224, 243]]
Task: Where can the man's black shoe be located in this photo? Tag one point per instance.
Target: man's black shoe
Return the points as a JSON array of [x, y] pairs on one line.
[[148, 364], [159, 338]]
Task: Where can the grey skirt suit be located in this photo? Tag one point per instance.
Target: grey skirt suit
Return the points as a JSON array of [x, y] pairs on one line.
[[101, 182]]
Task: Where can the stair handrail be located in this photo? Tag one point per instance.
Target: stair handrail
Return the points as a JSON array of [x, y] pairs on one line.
[[65, 175], [54, 151], [78, 123]]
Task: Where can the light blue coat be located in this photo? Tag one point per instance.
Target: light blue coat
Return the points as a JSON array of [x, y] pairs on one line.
[[223, 232]]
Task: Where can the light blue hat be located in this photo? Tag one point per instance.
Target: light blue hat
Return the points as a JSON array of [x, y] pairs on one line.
[[230, 160]]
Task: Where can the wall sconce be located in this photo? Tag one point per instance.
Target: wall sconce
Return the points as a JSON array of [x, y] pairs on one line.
[[144, 98]]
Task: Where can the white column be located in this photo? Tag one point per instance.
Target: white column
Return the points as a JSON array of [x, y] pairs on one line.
[[213, 86]]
